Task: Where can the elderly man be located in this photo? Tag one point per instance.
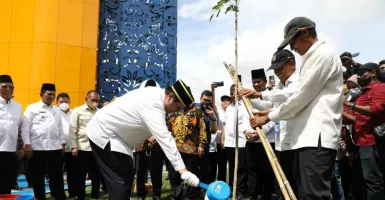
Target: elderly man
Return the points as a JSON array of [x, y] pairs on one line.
[[10, 118], [315, 112], [117, 128], [44, 143]]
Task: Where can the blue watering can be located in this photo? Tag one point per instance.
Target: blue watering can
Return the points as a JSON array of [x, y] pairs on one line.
[[217, 190]]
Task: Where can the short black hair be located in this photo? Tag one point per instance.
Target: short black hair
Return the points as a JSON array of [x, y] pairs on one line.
[[312, 32], [168, 90], [345, 75], [93, 92], [61, 95], [381, 62], [150, 83], [207, 93], [232, 86]]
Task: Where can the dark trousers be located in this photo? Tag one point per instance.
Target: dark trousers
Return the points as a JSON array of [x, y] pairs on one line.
[[204, 167], [311, 169], [192, 164], [116, 169], [213, 166], [156, 169], [71, 169], [336, 187], [367, 181], [141, 168], [242, 169], [7, 170], [222, 164], [260, 171], [85, 162], [53, 160]]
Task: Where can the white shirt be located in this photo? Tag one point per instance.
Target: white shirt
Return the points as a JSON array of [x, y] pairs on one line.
[[316, 110], [131, 119], [42, 127], [243, 124], [10, 118], [279, 95], [65, 120]]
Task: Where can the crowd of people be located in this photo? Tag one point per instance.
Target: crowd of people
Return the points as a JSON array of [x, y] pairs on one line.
[[325, 121]]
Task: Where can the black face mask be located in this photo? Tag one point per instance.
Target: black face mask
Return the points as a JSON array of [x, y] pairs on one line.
[[382, 76], [363, 81]]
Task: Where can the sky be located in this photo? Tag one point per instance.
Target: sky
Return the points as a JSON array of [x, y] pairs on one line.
[[203, 46]]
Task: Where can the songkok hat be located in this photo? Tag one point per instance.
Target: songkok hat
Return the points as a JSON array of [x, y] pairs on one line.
[[48, 86], [182, 92], [5, 79], [258, 73]]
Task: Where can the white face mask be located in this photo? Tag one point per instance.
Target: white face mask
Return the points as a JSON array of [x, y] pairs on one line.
[[64, 106], [93, 105]]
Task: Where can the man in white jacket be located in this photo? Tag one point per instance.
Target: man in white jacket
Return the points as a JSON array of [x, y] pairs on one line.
[[315, 112], [125, 123]]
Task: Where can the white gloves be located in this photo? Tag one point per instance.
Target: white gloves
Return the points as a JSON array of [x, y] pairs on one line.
[[190, 179]]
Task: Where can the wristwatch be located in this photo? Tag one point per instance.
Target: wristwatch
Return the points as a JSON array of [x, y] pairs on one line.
[[352, 105]]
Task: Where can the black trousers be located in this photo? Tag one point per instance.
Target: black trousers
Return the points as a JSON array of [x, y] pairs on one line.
[[156, 169], [53, 160], [310, 169], [242, 169], [367, 181], [85, 162], [141, 168], [71, 169], [7, 171], [204, 167], [213, 166], [222, 164], [260, 171], [192, 164], [116, 169]]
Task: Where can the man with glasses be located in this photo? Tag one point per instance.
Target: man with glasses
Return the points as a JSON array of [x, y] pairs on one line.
[[44, 143], [10, 118], [125, 123], [315, 112], [369, 111]]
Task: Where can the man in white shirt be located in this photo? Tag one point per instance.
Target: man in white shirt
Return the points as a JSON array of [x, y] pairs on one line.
[[125, 123], [80, 145], [63, 101], [44, 143], [229, 142], [315, 112], [283, 64], [260, 177], [10, 118]]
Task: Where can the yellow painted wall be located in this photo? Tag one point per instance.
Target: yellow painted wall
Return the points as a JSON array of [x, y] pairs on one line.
[[49, 41]]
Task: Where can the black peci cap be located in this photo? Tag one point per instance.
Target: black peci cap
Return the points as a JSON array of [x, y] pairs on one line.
[[48, 86], [183, 92], [5, 79], [258, 73]]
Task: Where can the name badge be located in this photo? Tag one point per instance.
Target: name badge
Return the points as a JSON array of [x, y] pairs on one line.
[[277, 128]]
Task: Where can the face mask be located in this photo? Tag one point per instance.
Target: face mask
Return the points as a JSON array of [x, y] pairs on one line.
[[64, 106], [94, 105], [382, 76], [364, 82]]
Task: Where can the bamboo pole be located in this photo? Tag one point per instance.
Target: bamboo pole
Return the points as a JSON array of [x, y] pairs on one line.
[[235, 180], [284, 184]]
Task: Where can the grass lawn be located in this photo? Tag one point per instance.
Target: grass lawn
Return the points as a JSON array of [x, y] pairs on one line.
[[166, 192]]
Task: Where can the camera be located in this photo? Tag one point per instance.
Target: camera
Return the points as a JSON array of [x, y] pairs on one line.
[[219, 84]]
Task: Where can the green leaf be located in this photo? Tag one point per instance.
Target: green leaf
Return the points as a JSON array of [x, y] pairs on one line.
[[211, 17], [235, 9], [219, 11], [229, 8]]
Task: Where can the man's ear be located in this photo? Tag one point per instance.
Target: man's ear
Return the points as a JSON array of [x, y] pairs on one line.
[[41, 94]]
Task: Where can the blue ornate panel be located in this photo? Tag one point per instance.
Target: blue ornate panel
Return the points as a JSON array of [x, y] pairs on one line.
[[137, 41]]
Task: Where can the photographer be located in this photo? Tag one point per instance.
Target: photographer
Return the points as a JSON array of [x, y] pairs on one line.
[[349, 63]]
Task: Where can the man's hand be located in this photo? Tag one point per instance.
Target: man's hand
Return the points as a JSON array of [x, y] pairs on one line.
[[253, 137], [262, 113], [349, 61], [20, 154], [151, 139], [213, 85], [210, 112], [190, 178], [28, 151], [258, 121], [201, 151], [250, 93], [74, 152]]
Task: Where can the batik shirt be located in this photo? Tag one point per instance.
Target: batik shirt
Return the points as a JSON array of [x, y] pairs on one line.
[[189, 129]]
